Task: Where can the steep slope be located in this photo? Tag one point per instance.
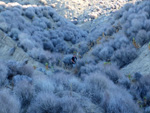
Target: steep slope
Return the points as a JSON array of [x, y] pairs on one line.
[[80, 11], [141, 64], [96, 85], [39, 28], [117, 40], [10, 51]]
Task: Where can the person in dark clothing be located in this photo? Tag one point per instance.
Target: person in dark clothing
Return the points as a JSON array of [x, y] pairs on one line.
[[74, 59]]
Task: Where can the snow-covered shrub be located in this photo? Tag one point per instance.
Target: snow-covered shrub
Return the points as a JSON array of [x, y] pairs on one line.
[[84, 102], [124, 17], [147, 25], [3, 73], [55, 17], [8, 102], [2, 19], [147, 110], [96, 50], [67, 61], [1, 8], [110, 31], [43, 58], [127, 6], [4, 26], [37, 32], [87, 69], [102, 91], [141, 37], [48, 46], [140, 88], [117, 15], [79, 64], [61, 81], [17, 9], [18, 68], [70, 105], [47, 22], [136, 25], [26, 44], [19, 78], [53, 34], [73, 34], [124, 56], [55, 40], [62, 46], [51, 12], [148, 34], [75, 85], [25, 92], [146, 8], [106, 53], [137, 76], [112, 73], [120, 41], [43, 100], [55, 59], [23, 36], [43, 84], [39, 54], [45, 14], [8, 15], [133, 21], [95, 85], [113, 98], [39, 23], [68, 36], [12, 68], [53, 104], [37, 38], [71, 50], [124, 82], [14, 33], [83, 48], [21, 24], [30, 13], [38, 12], [26, 70]]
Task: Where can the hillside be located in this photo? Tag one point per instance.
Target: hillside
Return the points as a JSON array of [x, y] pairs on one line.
[[37, 45], [140, 64], [79, 11]]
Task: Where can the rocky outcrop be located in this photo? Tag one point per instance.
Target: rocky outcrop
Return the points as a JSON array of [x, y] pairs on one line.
[[10, 51], [140, 64]]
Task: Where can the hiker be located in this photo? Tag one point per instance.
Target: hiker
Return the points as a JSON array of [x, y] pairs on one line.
[[73, 60]]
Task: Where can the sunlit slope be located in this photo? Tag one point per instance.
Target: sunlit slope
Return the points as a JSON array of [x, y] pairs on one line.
[[79, 11]]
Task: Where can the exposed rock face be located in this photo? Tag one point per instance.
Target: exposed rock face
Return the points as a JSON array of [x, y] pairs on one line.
[[140, 64], [6, 46]]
